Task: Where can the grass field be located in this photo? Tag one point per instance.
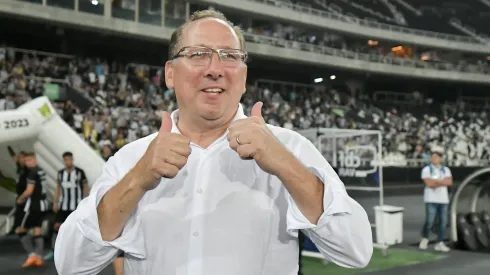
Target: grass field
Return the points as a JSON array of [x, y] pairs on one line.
[[396, 257]]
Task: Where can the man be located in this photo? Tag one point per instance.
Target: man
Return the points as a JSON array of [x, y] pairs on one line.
[[20, 187], [436, 178], [36, 205], [72, 187], [214, 191]]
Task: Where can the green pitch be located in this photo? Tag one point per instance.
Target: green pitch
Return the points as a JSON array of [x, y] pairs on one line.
[[396, 257]]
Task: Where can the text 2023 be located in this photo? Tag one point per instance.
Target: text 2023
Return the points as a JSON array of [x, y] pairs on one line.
[[16, 123]]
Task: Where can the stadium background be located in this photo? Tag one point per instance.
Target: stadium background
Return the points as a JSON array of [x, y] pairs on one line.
[[418, 71]]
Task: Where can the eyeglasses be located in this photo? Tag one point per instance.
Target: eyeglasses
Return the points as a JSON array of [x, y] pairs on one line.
[[201, 56]]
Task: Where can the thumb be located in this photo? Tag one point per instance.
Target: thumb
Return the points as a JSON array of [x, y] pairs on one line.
[[257, 109], [166, 123]]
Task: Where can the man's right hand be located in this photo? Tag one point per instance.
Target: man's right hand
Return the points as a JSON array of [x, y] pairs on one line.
[[55, 208], [165, 156]]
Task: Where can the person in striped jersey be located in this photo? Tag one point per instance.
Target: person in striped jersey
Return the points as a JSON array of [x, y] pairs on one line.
[[36, 206], [21, 185], [72, 187]]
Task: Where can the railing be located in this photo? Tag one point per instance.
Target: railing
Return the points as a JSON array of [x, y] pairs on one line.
[[388, 162], [411, 163], [134, 65], [395, 98], [271, 82], [41, 53], [366, 23], [276, 42], [6, 225], [471, 101]]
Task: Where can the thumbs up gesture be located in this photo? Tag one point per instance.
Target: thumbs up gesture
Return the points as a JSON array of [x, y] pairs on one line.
[[252, 139], [165, 156]]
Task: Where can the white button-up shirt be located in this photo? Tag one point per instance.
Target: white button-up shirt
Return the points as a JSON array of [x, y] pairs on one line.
[[439, 194], [220, 215]]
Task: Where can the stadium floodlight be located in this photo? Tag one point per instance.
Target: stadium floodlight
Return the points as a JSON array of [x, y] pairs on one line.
[[95, 2], [333, 77], [318, 80], [36, 126]]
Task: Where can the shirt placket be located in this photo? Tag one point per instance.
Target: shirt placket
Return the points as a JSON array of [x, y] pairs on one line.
[[196, 241]]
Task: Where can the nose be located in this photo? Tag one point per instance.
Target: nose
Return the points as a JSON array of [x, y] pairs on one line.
[[215, 69]]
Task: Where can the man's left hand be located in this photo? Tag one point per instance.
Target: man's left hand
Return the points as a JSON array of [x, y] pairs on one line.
[[251, 139], [20, 201]]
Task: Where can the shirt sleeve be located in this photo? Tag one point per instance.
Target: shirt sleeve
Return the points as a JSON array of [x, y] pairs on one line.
[[448, 173], [79, 246], [83, 178], [31, 176], [60, 177], [425, 173], [343, 232]]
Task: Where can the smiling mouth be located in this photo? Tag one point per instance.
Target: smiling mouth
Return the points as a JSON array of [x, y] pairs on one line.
[[213, 91]]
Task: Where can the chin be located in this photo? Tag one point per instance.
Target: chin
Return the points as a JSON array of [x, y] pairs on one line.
[[211, 112]]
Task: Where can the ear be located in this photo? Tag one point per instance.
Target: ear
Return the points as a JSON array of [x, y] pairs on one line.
[[169, 74]]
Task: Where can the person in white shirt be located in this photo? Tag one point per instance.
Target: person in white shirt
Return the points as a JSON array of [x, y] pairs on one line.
[[214, 191], [436, 178]]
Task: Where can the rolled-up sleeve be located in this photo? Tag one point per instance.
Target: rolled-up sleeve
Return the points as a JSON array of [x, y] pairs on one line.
[[79, 247], [343, 232]]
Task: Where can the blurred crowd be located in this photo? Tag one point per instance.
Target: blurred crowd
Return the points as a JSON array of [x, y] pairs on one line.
[[128, 98], [409, 132], [373, 48], [124, 98]]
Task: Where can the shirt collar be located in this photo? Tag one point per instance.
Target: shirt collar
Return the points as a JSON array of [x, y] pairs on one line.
[[175, 118]]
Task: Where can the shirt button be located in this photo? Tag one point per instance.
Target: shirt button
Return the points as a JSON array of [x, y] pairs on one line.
[[196, 234], [199, 191]]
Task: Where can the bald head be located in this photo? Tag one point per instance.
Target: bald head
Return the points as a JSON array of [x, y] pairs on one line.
[[210, 32], [210, 18]]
